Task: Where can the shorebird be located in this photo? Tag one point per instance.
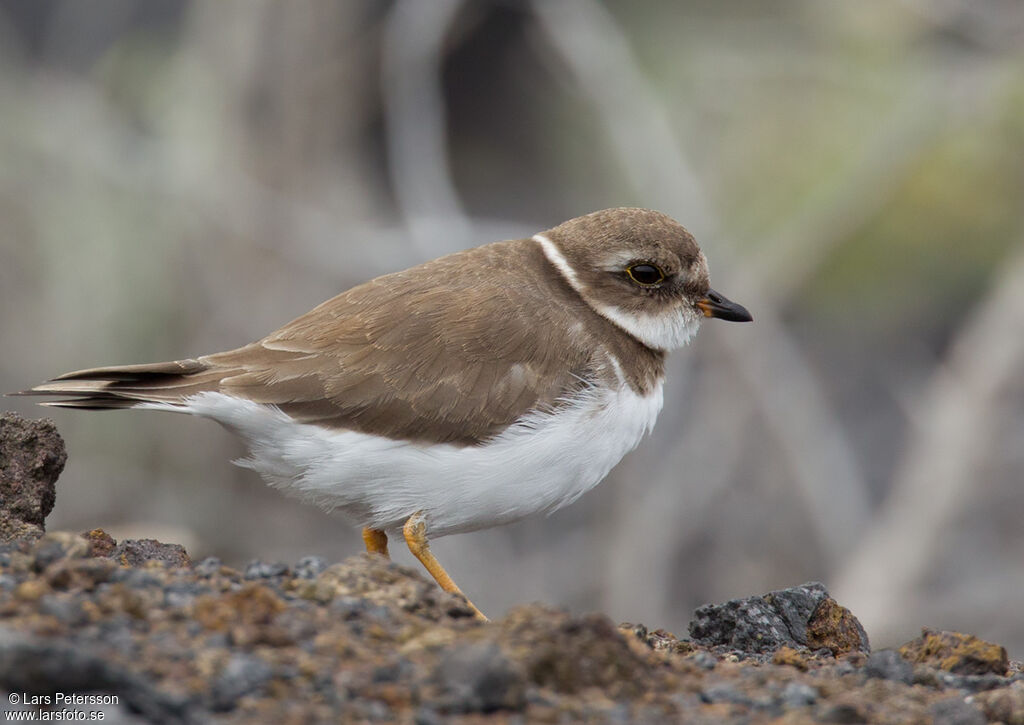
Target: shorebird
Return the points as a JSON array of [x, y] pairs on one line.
[[466, 392]]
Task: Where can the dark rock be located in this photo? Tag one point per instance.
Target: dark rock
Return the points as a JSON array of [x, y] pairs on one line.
[[367, 640], [63, 609], [392, 671], [970, 683], [44, 667], [375, 711], [760, 625], [799, 694], [955, 711], [637, 630], [428, 716], [310, 567], [1003, 705], [32, 456], [660, 640], [350, 608], [243, 674], [380, 581], [569, 654], [181, 594], [479, 678], [961, 654], [136, 552], [257, 569], [704, 660], [721, 692], [208, 567], [846, 713], [56, 546], [136, 578], [100, 542], [887, 664]]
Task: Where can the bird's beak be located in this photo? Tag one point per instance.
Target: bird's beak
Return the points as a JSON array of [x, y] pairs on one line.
[[715, 305]]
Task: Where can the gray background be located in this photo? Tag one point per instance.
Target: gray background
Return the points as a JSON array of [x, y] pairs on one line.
[[178, 178]]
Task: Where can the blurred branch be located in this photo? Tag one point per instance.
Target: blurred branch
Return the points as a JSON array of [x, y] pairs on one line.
[[995, 26], [779, 382], [596, 51], [411, 80], [951, 429], [926, 114]]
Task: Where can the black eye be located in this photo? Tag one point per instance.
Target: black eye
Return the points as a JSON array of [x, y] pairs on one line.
[[647, 275]]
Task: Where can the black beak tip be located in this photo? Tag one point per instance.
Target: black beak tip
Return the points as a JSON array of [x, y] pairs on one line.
[[742, 314], [717, 305]]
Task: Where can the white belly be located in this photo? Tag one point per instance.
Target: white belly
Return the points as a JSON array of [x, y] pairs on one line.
[[541, 463]]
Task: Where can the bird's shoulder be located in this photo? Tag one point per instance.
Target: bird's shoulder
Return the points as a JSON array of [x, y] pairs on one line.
[[453, 350]]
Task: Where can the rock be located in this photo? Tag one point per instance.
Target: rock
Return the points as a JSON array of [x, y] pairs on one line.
[[479, 678], [799, 694], [798, 617], [370, 641], [32, 456], [660, 640], [723, 692], [136, 552], [367, 640], [243, 674], [956, 711], [1004, 705], [257, 569], [834, 628], [704, 660], [208, 567], [961, 654], [100, 542], [310, 567], [243, 612], [786, 655], [374, 579], [887, 664], [844, 713], [569, 654], [35, 666], [56, 546]]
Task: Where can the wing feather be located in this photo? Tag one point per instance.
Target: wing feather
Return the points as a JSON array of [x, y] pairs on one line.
[[454, 351]]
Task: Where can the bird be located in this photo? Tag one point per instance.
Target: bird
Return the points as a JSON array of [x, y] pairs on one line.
[[466, 392]]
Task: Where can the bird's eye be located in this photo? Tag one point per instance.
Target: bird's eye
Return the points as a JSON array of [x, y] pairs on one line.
[[646, 275]]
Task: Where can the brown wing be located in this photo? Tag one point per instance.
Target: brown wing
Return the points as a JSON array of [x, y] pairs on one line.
[[450, 351]]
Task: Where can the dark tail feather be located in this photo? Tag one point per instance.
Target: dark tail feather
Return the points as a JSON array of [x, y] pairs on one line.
[[92, 403], [126, 386], [113, 373]]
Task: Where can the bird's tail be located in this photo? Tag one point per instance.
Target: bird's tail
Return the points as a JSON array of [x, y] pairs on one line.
[[128, 386]]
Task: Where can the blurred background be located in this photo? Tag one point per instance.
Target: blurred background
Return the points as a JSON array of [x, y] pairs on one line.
[[178, 178]]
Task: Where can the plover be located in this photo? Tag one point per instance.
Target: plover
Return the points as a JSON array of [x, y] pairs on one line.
[[463, 393]]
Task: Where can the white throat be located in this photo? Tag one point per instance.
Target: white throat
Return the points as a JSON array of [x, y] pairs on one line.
[[661, 332]]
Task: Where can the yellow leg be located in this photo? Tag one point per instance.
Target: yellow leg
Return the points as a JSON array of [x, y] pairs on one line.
[[376, 542], [415, 531]]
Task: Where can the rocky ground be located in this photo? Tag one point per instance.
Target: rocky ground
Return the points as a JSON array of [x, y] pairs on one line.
[[367, 640]]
